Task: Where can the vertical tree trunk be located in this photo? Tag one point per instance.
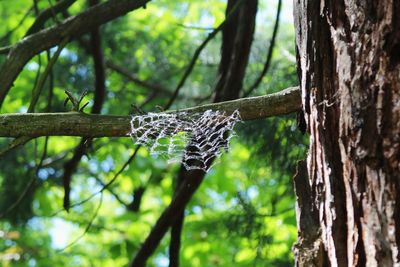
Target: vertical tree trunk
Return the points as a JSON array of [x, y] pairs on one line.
[[348, 208]]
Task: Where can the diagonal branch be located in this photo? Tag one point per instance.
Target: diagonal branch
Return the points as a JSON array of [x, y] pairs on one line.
[[123, 71], [237, 38], [94, 125], [192, 63], [75, 26], [6, 36], [42, 79], [48, 13], [177, 205]]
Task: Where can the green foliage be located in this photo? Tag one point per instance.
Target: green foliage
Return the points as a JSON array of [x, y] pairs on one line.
[[243, 214]]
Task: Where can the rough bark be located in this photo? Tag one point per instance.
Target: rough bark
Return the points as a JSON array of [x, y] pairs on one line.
[[349, 70], [93, 125]]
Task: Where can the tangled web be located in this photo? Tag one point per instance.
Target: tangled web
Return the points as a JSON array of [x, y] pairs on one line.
[[195, 139]]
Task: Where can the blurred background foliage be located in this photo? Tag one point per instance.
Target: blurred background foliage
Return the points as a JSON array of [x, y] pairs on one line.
[[243, 214]]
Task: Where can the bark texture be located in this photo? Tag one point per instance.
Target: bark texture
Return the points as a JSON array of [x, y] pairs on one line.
[[349, 70]]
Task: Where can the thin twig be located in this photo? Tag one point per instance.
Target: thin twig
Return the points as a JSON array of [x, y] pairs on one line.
[[75, 26], [193, 27], [96, 212], [48, 13], [5, 49], [196, 54], [30, 183], [152, 86], [106, 185], [19, 141], [19, 24], [110, 190], [39, 86]]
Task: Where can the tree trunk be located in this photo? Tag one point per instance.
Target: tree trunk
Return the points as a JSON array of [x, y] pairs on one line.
[[348, 208]]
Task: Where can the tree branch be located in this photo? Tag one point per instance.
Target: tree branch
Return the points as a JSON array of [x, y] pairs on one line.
[[48, 13], [179, 202], [42, 78], [269, 55], [31, 45], [237, 40], [199, 49], [94, 125], [123, 71]]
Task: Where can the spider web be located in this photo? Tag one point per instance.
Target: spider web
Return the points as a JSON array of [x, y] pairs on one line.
[[194, 139]]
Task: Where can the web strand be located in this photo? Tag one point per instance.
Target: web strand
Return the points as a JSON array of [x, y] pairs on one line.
[[193, 139]]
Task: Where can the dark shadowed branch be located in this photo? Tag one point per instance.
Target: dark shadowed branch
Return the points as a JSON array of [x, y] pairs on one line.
[[189, 181], [169, 215], [269, 55], [99, 95], [237, 36], [106, 186], [48, 13], [192, 63]]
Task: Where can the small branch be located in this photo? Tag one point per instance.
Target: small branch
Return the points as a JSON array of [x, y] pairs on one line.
[[175, 243], [14, 144], [94, 125], [123, 71], [196, 54], [70, 167], [48, 13], [137, 199], [99, 68], [89, 225], [177, 226], [5, 50], [235, 50], [108, 184], [73, 27], [42, 79]]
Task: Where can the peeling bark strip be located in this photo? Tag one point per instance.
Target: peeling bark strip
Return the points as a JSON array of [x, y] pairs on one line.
[[93, 125], [349, 65]]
